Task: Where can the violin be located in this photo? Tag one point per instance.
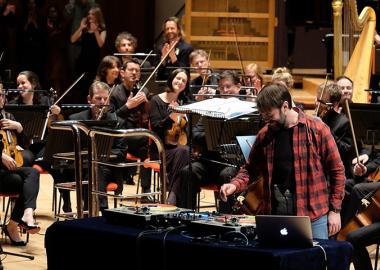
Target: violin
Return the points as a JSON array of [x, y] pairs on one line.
[[177, 134], [141, 112], [9, 140]]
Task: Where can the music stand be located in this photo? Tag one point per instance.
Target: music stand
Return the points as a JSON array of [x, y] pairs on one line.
[[366, 121], [31, 117], [222, 131]]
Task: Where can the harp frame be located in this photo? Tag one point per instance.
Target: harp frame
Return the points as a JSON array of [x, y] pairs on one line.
[[360, 63]]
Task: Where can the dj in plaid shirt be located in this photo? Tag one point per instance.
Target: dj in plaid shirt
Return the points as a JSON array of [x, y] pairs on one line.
[[309, 168]]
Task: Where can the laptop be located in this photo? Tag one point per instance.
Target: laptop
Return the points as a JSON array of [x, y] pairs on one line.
[[245, 143], [284, 231]]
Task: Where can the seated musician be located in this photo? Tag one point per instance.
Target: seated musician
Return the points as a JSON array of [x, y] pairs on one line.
[[200, 63], [163, 121], [364, 236], [131, 106], [109, 70], [28, 80], [206, 169], [339, 125], [253, 77], [297, 158], [23, 181], [282, 75], [99, 96]]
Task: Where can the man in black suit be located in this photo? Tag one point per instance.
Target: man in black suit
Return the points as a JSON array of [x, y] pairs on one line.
[[179, 56]]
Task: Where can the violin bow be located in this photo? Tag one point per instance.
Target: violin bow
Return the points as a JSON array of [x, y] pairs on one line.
[[58, 100], [158, 65], [208, 68], [146, 58], [352, 128]]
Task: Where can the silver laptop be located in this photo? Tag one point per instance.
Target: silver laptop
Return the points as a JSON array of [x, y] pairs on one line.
[[284, 231]]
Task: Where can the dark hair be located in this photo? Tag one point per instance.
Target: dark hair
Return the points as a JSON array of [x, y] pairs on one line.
[[273, 96], [334, 93], [344, 77], [34, 80], [130, 60], [171, 78], [107, 63], [127, 36], [230, 75]]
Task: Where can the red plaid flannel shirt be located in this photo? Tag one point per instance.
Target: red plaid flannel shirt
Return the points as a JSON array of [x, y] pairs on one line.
[[318, 169]]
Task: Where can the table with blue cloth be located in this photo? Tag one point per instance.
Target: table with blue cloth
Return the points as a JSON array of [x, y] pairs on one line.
[[92, 243]]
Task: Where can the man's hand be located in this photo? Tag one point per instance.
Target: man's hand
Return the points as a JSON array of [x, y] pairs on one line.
[[134, 101], [359, 169], [362, 159], [11, 125], [333, 222], [226, 190]]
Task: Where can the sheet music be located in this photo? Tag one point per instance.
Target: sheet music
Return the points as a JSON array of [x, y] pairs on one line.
[[219, 108]]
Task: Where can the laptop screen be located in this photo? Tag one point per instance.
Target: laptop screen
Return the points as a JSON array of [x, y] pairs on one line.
[[245, 143], [284, 231]]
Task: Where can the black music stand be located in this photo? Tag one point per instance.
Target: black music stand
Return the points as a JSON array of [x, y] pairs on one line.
[[222, 131], [31, 117], [366, 121]]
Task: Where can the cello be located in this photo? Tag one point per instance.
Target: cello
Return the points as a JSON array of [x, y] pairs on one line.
[[9, 141]]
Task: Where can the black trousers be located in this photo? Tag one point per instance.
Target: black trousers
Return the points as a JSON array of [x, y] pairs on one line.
[[202, 173], [25, 182]]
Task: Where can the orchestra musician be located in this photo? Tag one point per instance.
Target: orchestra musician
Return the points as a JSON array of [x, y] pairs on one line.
[[367, 235], [253, 77], [200, 62], [162, 120], [109, 70], [297, 158], [126, 43], [346, 86], [28, 82], [131, 105], [206, 169], [179, 57], [23, 181], [98, 97], [338, 123]]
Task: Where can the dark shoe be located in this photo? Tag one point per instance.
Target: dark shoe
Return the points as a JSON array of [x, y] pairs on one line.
[[13, 242], [32, 229], [66, 208]]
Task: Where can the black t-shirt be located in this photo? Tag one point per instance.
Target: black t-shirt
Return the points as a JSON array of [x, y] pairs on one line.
[[283, 180]]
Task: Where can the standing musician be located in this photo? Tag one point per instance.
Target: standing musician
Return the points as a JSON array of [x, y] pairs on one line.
[[199, 60], [206, 169], [23, 181], [365, 236], [299, 162], [179, 57], [164, 120], [131, 105]]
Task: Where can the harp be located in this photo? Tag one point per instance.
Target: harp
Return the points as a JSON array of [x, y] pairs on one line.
[[354, 61]]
